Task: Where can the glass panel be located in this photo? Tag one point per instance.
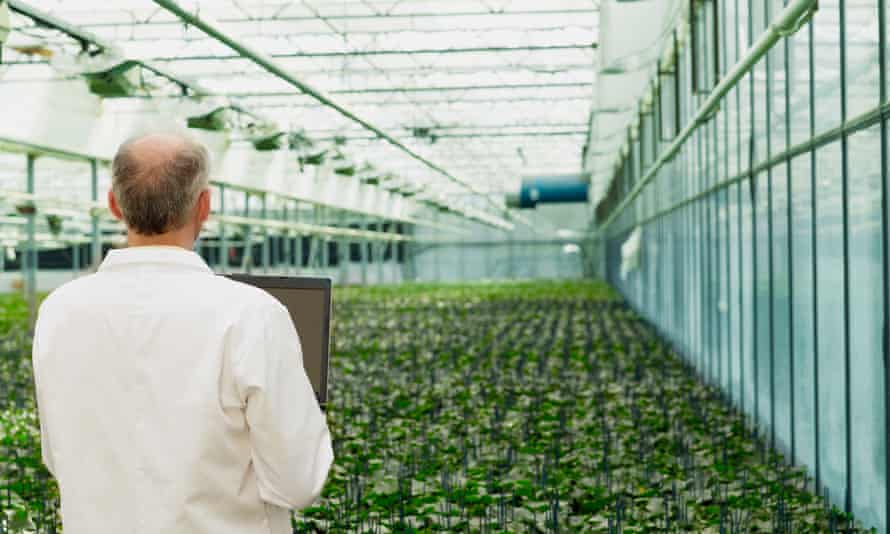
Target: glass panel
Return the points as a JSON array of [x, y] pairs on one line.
[[723, 244], [830, 276], [734, 297], [777, 115], [804, 347], [781, 308], [866, 322], [799, 79], [760, 116], [747, 292], [826, 56], [862, 49], [762, 301]]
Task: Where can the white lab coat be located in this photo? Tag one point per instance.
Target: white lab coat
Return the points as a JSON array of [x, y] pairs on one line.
[[174, 401]]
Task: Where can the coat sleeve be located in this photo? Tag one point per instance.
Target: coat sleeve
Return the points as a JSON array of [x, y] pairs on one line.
[[289, 437]]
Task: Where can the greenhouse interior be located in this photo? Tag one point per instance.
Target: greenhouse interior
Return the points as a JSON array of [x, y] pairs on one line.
[[607, 266]]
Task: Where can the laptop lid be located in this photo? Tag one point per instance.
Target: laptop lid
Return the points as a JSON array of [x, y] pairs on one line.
[[308, 300]]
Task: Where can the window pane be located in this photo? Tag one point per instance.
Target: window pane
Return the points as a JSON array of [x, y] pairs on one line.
[[804, 347], [799, 80], [830, 276], [747, 282], [827, 75], [762, 300], [866, 324], [781, 308], [863, 74]]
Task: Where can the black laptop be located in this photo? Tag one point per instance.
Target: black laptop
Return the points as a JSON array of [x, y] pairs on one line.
[[309, 302]]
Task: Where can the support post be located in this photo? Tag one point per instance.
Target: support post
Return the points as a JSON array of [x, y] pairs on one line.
[[434, 252], [223, 237], [343, 250], [365, 252], [75, 259], [298, 243], [247, 259], [29, 263], [285, 240], [381, 252], [266, 245], [512, 258], [96, 241], [463, 259], [394, 255], [323, 240]]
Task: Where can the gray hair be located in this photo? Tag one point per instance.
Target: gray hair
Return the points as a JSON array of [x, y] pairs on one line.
[[157, 191]]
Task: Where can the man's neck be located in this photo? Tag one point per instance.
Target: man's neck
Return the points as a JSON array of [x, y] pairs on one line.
[[172, 239]]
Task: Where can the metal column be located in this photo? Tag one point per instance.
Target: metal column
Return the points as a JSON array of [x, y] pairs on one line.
[[298, 243], [364, 246], [394, 247], [382, 255], [247, 257], [463, 260], [223, 238], [323, 240], [75, 259], [29, 258], [343, 250], [266, 245], [511, 271], [285, 241], [96, 243]]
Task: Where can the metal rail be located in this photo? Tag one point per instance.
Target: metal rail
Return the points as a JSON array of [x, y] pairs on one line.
[[391, 52], [390, 16]]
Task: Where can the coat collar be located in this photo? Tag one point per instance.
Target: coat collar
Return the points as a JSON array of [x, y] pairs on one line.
[[154, 255]]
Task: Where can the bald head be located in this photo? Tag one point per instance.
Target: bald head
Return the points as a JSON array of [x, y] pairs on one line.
[[156, 180]]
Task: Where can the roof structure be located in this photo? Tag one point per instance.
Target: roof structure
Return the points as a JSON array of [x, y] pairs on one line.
[[487, 90]]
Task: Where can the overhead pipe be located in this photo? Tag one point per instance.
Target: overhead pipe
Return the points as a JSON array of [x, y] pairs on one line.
[[272, 67], [786, 23], [550, 190]]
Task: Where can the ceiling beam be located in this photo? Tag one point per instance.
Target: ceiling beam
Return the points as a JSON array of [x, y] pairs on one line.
[[431, 89], [392, 31], [457, 101], [436, 129], [387, 52], [543, 69], [563, 133], [569, 13]]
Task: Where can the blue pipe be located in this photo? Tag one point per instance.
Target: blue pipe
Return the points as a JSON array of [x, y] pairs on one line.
[[552, 190]]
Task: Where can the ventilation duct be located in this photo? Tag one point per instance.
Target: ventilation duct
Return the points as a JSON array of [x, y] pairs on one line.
[[550, 190]]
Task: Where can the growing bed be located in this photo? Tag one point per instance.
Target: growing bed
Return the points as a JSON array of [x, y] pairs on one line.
[[501, 408]]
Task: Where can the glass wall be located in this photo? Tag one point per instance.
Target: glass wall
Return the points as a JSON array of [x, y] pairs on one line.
[[764, 235]]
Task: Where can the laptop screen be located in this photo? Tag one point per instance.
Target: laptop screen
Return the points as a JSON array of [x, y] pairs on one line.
[[309, 302]]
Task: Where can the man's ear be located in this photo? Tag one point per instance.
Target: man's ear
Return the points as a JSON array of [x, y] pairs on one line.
[[203, 206], [112, 205]]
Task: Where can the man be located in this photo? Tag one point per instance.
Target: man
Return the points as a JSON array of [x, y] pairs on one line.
[[171, 400]]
